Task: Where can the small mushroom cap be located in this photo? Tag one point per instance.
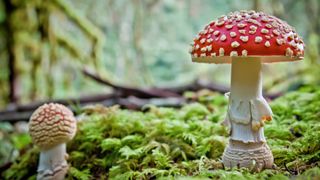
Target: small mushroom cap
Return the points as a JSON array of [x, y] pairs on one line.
[[52, 124], [247, 34]]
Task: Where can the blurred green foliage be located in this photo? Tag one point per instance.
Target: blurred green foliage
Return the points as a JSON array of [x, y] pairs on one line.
[[166, 143], [138, 43], [12, 143]]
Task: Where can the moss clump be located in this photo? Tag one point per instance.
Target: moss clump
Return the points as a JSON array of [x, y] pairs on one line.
[[294, 134], [185, 143]]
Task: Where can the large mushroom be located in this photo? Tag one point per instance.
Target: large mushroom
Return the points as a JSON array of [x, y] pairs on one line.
[[246, 39], [50, 127]]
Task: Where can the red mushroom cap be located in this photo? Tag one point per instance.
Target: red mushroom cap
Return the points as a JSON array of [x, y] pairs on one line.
[[247, 34]]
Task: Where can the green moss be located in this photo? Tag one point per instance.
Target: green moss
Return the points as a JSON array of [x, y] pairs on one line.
[[186, 143]]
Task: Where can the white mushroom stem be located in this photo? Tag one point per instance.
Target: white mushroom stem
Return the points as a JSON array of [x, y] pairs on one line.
[[247, 107], [246, 113], [246, 79], [52, 163]]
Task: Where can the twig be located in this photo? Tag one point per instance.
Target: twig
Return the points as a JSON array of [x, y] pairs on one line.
[[293, 172], [135, 103], [129, 91], [164, 92], [23, 112]]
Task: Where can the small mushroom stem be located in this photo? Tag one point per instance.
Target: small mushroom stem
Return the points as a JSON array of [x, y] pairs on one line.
[[246, 113], [52, 163]]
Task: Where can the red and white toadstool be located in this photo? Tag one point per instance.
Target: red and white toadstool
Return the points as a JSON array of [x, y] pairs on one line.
[[246, 39], [50, 127]]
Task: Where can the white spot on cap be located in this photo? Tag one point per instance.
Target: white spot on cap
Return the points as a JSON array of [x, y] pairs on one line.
[[235, 44], [203, 55], [244, 52], [233, 34], [244, 38], [264, 19], [268, 26], [286, 30], [242, 31], [289, 52], [252, 32], [223, 37], [255, 15], [290, 36], [264, 31], [238, 18], [253, 28], [209, 47], [203, 40], [293, 44], [233, 53], [257, 39], [253, 21], [279, 41], [300, 47], [276, 32], [221, 52], [213, 54], [267, 44], [219, 23], [216, 33], [274, 24], [229, 26], [241, 25]]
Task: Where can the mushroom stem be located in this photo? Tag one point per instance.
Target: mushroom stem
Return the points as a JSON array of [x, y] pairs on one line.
[[246, 78], [246, 113], [52, 163]]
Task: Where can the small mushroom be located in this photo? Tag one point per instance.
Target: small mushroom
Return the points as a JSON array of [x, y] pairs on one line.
[[256, 38], [50, 127]]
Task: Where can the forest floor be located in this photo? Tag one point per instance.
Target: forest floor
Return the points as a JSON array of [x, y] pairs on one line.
[[182, 143]]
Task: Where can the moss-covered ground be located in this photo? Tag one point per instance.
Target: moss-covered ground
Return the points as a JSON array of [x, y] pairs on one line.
[[185, 143]]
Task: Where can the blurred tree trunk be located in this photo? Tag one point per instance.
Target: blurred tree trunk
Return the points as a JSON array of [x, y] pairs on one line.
[[277, 8], [12, 79], [257, 5], [312, 10], [138, 33]]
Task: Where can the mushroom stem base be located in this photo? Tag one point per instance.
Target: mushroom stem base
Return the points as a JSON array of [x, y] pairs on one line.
[[255, 156], [52, 163]]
